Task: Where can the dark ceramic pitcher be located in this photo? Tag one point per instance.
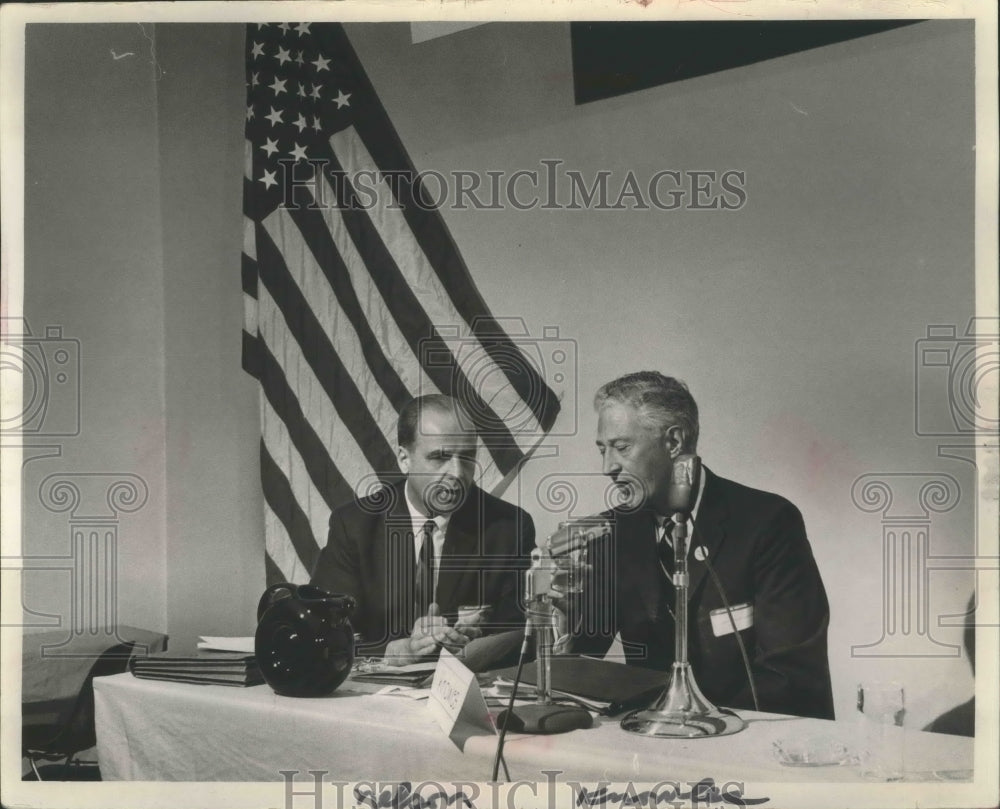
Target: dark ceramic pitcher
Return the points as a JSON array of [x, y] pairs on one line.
[[304, 642]]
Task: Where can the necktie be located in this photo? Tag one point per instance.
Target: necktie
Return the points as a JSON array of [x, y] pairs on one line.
[[425, 569], [665, 548]]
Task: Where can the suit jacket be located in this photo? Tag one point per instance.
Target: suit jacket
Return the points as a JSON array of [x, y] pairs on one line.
[[757, 544], [370, 555]]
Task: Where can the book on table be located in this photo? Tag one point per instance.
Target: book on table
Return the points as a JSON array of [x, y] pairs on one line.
[[602, 685], [207, 667]]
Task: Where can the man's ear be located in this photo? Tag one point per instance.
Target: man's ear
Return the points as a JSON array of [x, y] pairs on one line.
[[674, 440], [403, 456]]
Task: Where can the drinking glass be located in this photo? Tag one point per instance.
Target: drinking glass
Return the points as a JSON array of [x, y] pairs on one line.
[[881, 709]]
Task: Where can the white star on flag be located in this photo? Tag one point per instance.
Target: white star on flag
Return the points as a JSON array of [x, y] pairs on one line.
[[257, 50], [341, 99], [316, 88], [268, 179], [274, 117], [321, 63], [299, 152], [250, 112], [278, 86], [302, 28], [270, 147], [301, 122], [283, 56]]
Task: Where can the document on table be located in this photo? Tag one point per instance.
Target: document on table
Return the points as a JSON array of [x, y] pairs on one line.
[[223, 644]]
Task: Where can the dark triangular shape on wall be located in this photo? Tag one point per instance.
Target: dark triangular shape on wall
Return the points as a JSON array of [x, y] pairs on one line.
[[614, 58]]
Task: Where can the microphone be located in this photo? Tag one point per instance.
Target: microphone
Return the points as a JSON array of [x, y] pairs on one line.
[[682, 711], [683, 488], [575, 535], [553, 575]]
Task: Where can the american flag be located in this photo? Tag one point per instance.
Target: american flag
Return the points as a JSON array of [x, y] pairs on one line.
[[356, 297]]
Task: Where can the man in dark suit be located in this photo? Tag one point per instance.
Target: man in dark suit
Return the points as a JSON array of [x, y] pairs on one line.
[[413, 553], [755, 540]]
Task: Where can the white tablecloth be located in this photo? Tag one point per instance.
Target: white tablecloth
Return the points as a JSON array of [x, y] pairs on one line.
[[156, 731]]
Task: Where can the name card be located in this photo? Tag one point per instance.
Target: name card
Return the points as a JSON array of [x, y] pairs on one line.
[[457, 702]]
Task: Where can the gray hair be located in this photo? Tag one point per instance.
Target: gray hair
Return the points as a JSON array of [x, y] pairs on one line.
[[661, 401]]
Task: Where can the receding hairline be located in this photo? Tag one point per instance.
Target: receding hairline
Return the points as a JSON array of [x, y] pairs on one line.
[[416, 408]]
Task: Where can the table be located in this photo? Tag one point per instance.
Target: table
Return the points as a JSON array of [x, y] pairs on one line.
[[157, 731]]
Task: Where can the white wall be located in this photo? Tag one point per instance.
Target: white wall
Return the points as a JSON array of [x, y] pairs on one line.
[[215, 562], [794, 320], [94, 266]]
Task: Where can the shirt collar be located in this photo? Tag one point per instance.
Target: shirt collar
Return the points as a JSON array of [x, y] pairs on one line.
[[418, 519]]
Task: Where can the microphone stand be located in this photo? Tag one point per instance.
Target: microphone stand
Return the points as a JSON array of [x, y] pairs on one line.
[[682, 711], [544, 715]]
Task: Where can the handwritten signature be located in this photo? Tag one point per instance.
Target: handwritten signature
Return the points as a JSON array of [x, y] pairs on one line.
[[403, 796], [702, 793]]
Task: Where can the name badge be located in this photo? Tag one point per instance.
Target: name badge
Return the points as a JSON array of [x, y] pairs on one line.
[[742, 617], [457, 702]]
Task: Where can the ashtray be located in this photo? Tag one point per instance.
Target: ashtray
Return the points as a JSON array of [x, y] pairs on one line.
[[811, 752]]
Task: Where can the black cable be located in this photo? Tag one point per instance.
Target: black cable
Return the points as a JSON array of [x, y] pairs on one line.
[[510, 707], [739, 638]]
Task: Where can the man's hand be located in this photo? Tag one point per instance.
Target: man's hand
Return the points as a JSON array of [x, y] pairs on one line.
[[470, 622], [430, 633]]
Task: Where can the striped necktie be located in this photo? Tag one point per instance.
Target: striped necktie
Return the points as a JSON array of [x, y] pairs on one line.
[[424, 589], [665, 547]]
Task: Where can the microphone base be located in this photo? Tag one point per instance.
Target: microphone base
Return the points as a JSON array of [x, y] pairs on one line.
[[546, 719], [717, 722], [683, 712]]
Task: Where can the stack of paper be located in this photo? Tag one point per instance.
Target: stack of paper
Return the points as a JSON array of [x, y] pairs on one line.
[[413, 674], [207, 668]]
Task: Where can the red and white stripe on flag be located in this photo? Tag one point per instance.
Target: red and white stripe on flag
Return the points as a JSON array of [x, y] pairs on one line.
[[355, 297]]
